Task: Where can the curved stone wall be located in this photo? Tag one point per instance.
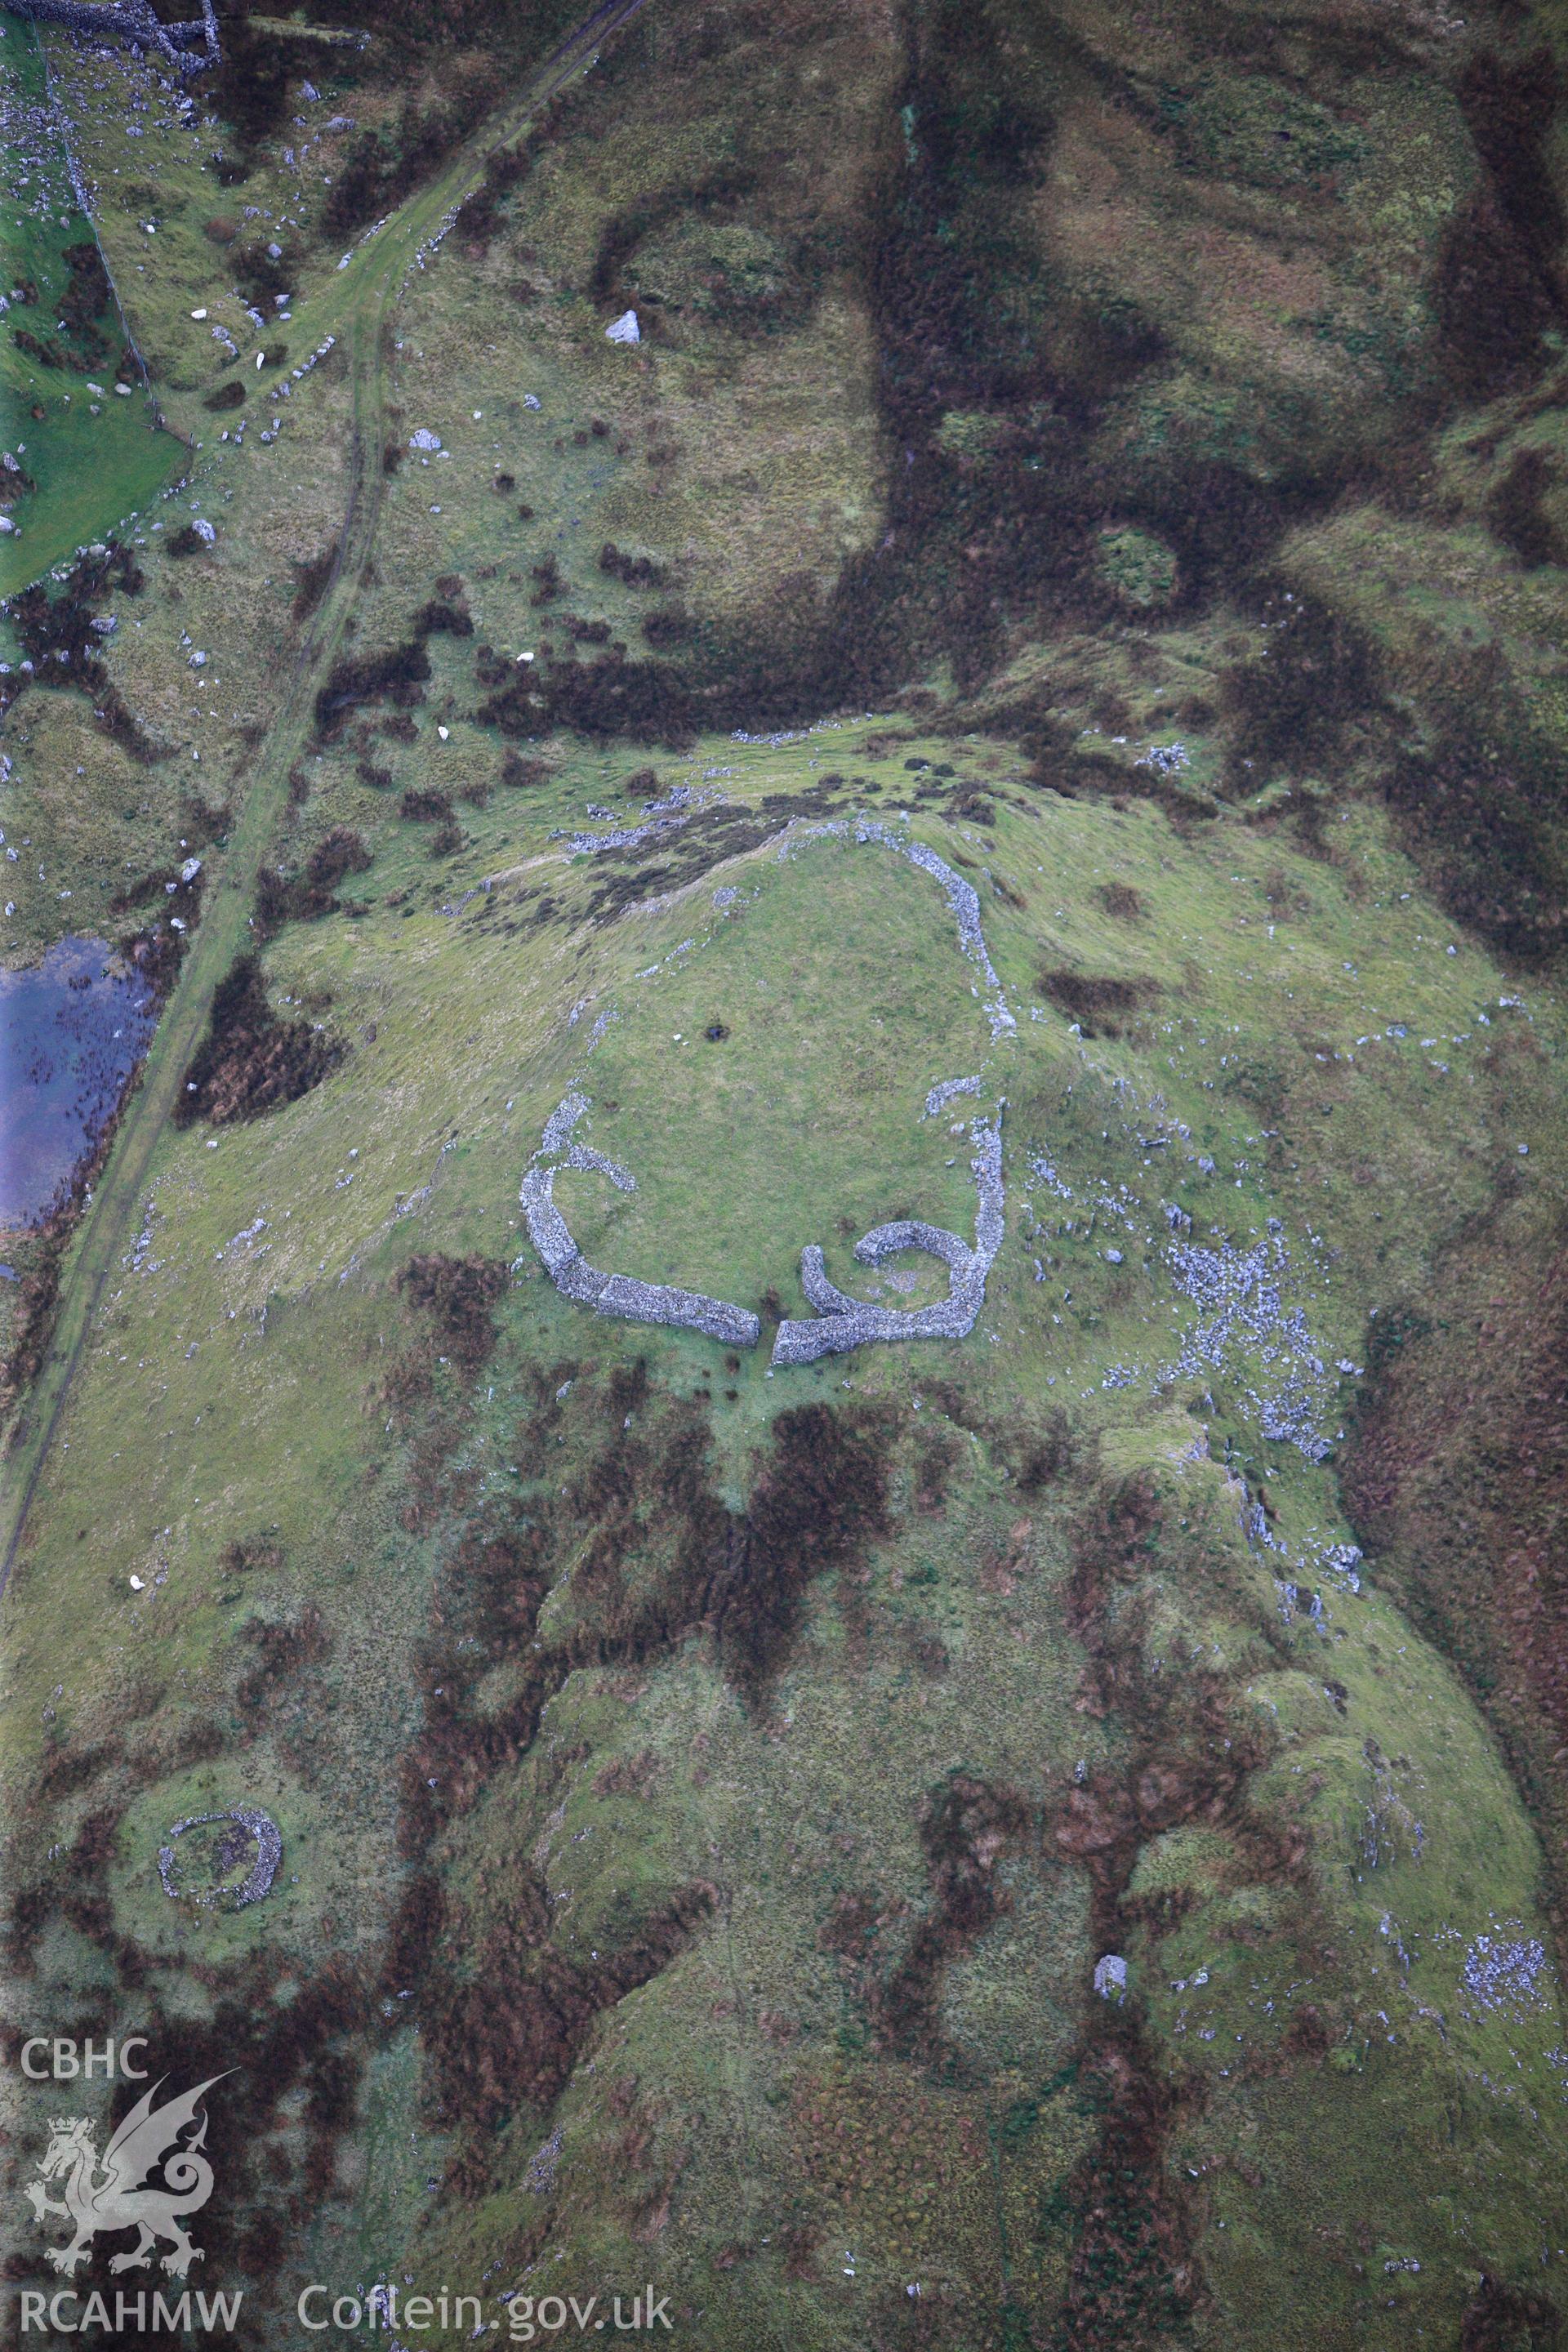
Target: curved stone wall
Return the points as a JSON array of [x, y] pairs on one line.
[[843, 1322], [613, 1293], [838, 1322], [264, 1869], [191, 48]]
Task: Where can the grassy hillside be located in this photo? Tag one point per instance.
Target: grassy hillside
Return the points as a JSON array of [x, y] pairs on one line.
[[1049, 1838]]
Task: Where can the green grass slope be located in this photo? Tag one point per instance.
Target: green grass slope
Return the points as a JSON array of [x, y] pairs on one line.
[[1051, 1839], [891, 1815], [92, 456]]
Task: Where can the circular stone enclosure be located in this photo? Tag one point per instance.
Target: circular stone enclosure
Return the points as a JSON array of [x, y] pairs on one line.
[[221, 1861]]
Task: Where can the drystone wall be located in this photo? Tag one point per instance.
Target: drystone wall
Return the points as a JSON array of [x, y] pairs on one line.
[[839, 1321], [959, 897], [264, 1869], [191, 48], [842, 1322], [612, 1294]]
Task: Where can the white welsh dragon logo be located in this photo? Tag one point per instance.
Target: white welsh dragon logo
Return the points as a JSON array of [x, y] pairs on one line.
[[120, 2197]]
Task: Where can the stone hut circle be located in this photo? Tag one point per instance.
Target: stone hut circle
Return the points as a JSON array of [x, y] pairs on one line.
[[248, 1828]]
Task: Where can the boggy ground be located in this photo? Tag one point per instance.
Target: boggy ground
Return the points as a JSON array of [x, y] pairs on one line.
[[707, 1797]]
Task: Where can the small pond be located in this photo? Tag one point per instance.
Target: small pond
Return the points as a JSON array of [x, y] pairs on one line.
[[72, 1029]]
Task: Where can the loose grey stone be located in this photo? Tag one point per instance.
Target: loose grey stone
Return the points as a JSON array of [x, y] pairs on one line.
[[939, 1096], [582, 1157], [269, 1855]]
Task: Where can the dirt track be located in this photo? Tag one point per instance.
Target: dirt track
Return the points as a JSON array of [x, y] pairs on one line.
[[354, 309]]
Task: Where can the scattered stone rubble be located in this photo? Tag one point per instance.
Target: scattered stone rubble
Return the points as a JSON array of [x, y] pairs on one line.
[[680, 803], [1239, 1294], [243, 1240], [1319, 1556], [1507, 1974], [539, 2179]]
